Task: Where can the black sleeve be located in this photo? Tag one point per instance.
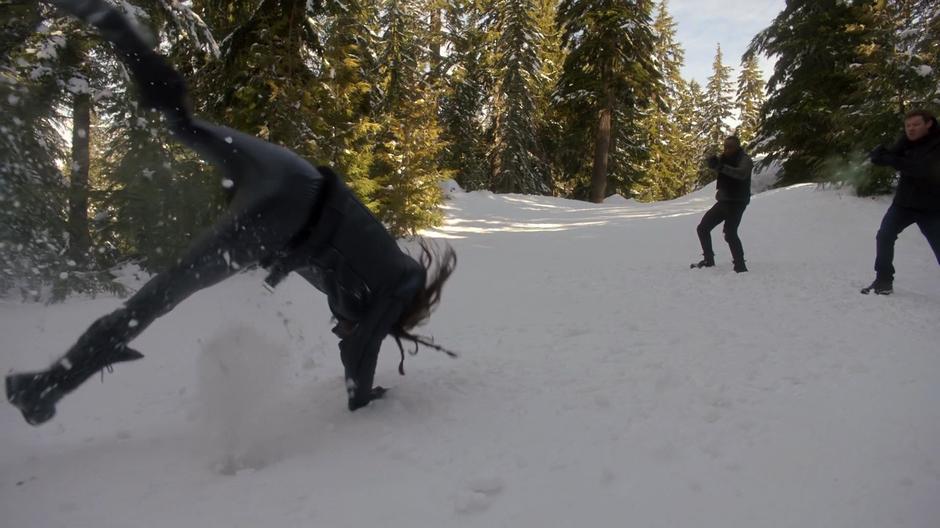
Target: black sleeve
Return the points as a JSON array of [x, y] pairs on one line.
[[740, 172], [359, 348]]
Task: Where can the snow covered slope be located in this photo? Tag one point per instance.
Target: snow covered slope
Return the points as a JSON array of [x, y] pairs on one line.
[[601, 382]]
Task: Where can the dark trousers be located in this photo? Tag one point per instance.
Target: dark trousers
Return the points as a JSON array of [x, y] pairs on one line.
[[896, 219], [265, 213], [730, 213]]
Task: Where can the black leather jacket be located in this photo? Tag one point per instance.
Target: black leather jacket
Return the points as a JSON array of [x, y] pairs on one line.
[[369, 281], [734, 178], [918, 163]]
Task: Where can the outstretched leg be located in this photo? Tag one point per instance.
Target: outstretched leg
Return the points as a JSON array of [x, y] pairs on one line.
[[929, 225], [733, 220], [896, 220], [234, 243], [710, 220]]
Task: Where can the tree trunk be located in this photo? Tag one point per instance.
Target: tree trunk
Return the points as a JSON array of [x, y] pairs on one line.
[[601, 155], [79, 237], [436, 36]]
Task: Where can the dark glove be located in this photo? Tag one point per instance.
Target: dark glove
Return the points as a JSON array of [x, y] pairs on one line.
[[879, 155], [361, 400], [713, 162], [883, 156]]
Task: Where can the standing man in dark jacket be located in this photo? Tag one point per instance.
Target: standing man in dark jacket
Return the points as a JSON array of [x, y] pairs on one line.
[[916, 156], [734, 168], [284, 215]]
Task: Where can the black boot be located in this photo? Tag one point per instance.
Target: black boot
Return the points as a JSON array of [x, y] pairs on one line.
[[881, 286], [35, 394], [739, 267], [359, 401], [707, 262]]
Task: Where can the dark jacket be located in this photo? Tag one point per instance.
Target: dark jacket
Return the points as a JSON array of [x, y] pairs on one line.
[[352, 257], [369, 281], [918, 163], [734, 178]]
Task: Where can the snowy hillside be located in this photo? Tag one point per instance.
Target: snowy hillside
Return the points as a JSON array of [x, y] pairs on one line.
[[600, 383]]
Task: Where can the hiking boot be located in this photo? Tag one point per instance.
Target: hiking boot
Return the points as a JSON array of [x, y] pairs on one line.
[[35, 394], [881, 286], [706, 262]]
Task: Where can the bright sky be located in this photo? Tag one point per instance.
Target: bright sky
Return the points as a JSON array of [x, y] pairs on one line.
[[703, 24]]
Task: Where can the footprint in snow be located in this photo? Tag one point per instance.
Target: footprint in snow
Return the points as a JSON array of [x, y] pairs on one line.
[[478, 494]]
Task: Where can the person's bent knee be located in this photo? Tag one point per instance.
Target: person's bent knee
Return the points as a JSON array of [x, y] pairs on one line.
[[886, 236]]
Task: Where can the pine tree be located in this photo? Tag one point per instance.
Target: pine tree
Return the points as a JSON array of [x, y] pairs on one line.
[[405, 163], [44, 230], [749, 99], [718, 102], [262, 83], [517, 159], [609, 77], [347, 71], [32, 191], [925, 28], [692, 123], [550, 123], [466, 89], [815, 44], [666, 173]]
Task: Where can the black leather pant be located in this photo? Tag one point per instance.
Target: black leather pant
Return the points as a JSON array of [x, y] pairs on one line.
[[730, 213]]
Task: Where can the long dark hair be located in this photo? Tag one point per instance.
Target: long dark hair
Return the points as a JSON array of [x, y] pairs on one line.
[[439, 264]]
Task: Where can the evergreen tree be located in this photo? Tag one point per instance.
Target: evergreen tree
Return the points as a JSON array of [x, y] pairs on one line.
[[267, 88], [749, 99], [718, 101], [609, 76], [405, 164], [925, 29], [815, 44], [517, 163], [549, 122], [692, 125], [666, 174], [347, 72], [44, 232], [466, 89]]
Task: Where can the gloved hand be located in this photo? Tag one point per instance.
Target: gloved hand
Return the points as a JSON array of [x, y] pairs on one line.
[[713, 162], [882, 156], [361, 400]]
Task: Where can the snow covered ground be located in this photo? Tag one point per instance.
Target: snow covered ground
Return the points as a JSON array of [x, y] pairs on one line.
[[601, 383]]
